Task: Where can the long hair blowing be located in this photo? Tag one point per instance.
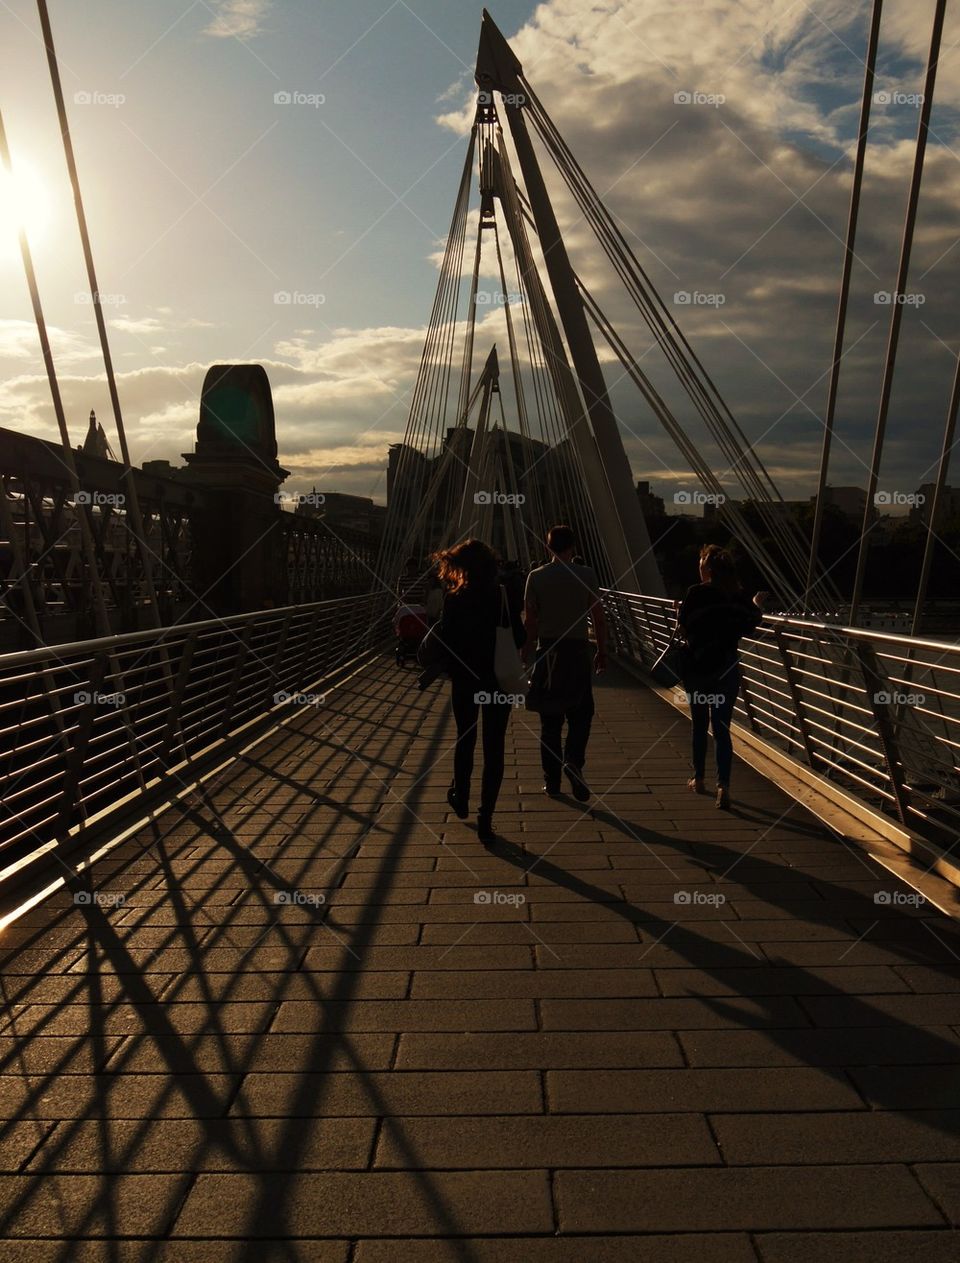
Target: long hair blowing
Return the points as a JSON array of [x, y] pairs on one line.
[[467, 565]]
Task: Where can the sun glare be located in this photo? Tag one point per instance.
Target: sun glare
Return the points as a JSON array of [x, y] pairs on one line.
[[24, 203]]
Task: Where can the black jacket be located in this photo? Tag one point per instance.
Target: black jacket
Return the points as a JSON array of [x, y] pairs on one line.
[[714, 621], [468, 629]]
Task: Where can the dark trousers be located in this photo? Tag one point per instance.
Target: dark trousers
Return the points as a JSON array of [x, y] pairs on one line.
[[711, 706], [469, 714], [571, 679]]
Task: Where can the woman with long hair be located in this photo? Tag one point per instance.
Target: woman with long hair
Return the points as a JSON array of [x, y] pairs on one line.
[[713, 616], [475, 604]]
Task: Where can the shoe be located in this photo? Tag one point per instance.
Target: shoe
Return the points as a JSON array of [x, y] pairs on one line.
[[723, 797], [485, 827], [578, 786], [696, 784], [458, 804], [551, 790]]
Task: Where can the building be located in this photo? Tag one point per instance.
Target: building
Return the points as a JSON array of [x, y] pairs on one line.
[[949, 507]]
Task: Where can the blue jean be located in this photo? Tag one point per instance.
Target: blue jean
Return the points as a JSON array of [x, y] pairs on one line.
[[711, 706]]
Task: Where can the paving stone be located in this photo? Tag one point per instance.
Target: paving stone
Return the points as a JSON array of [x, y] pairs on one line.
[[549, 1141], [629, 1091], [864, 1136], [537, 1050], [537, 983], [858, 1247], [839, 1046], [746, 1198], [717, 1247], [378, 1203], [407, 1015], [82, 1205], [410, 1092], [666, 1014]]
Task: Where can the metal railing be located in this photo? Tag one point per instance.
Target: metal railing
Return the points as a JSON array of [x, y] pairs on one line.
[[876, 713], [84, 727]]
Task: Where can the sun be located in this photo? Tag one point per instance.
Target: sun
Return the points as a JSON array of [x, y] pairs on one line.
[[24, 203]]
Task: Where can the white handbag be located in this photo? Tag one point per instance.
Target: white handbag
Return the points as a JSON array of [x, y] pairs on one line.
[[507, 667]]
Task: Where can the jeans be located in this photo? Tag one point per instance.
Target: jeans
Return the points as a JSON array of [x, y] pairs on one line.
[[575, 669], [711, 706], [467, 714]]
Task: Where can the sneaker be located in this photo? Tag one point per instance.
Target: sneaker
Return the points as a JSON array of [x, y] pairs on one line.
[[578, 786], [457, 804], [723, 798], [551, 790]]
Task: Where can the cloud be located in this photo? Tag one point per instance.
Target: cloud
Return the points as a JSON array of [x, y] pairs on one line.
[[238, 19]]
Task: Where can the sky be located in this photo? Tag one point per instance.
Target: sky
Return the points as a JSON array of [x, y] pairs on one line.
[[232, 152]]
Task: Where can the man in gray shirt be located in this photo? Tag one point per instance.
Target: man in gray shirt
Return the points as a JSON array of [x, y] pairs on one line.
[[561, 599]]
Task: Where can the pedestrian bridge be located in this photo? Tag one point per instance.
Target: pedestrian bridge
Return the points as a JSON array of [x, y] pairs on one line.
[[265, 998]]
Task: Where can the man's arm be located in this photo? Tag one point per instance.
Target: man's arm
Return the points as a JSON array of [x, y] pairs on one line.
[[599, 621], [531, 623]]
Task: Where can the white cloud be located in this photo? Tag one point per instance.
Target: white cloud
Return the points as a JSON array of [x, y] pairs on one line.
[[238, 19]]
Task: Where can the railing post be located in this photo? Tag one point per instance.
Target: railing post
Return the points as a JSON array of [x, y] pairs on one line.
[[71, 810], [874, 687], [242, 654], [795, 696], [178, 693]]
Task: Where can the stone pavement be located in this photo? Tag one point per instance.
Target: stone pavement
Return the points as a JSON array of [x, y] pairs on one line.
[[645, 1031]]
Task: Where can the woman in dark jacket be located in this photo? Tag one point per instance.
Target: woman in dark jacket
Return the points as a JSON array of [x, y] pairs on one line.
[[713, 616], [476, 603]]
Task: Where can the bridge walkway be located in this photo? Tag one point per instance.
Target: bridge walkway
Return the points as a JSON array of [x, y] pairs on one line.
[[306, 1016]]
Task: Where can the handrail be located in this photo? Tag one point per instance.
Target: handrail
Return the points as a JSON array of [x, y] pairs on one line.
[[94, 722], [855, 694]]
